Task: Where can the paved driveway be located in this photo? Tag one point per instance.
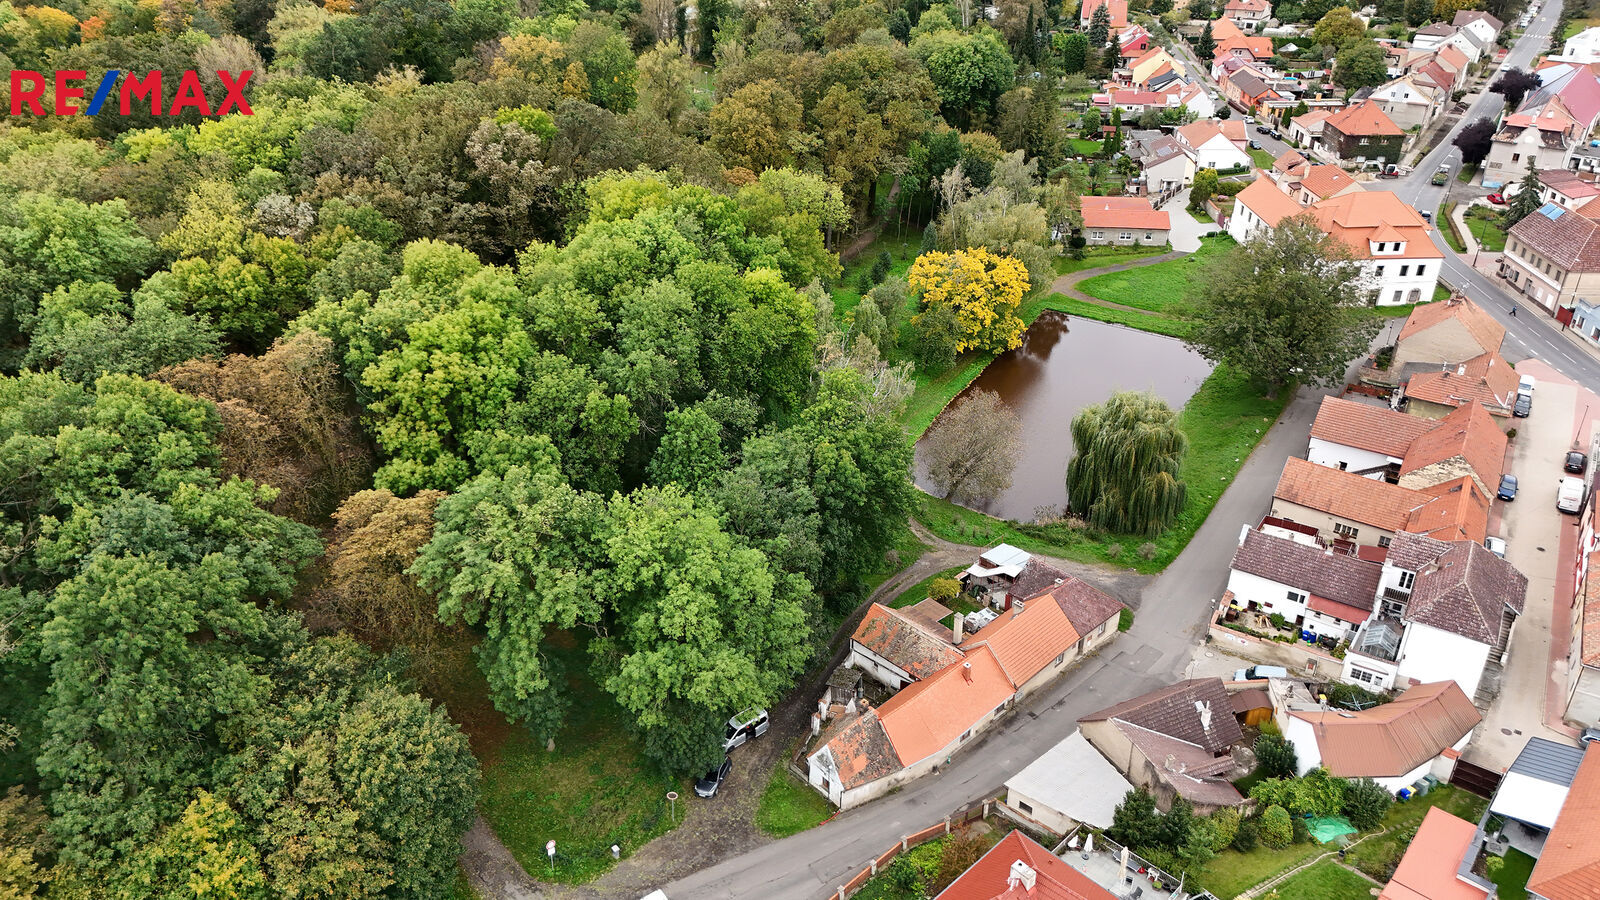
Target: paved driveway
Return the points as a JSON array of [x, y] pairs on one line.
[[1186, 229]]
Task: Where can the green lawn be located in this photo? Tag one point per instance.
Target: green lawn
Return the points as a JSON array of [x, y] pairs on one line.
[[595, 790], [919, 591], [1095, 257], [789, 805], [907, 550], [1484, 224], [1256, 776], [1262, 158], [1512, 879], [1447, 225], [1199, 216], [1082, 147], [1467, 173], [1378, 855], [1166, 287], [1232, 872], [1577, 25], [1327, 880]]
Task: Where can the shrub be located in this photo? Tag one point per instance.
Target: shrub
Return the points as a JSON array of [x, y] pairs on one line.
[[960, 852], [1147, 550], [904, 877], [1321, 794], [1300, 833], [1244, 840], [1276, 828], [1278, 621], [1114, 550], [944, 589], [1275, 755], [1366, 802], [1224, 827], [1136, 823]]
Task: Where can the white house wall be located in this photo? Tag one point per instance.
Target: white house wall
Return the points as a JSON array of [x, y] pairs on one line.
[[882, 671], [1395, 289], [1299, 733], [1429, 654], [1354, 459], [1269, 595]]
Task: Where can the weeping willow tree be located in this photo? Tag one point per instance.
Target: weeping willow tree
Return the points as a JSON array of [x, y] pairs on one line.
[[1124, 477]]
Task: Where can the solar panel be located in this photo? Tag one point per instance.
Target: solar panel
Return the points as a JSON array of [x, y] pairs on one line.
[[1552, 211]]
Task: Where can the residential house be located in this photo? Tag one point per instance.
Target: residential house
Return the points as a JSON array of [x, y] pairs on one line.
[[1284, 571], [1445, 611], [1469, 43], [1258, 209], [1291, 165], [1552, 257], [1070, 784], [1019, 867], [1407, 102], [1164, 164], [1133, 42], [1530, 796], [1569, 867], [1132, 103], [1118, 11], [995, 572], [1582, 47], [1447, 333], [1370, 441], [1438, 862], [1387, 236], [1305, 129], [1395, 743], [1197, 101], [1245, 48], [1583, 653], [896, 649], [1466, 442], [1551, 122], [1124, 221], [1152, 63], [1361, 133], [1249, 16], [1247, 89], [1210, 147], [1567, 188], [1480, 23], [1456, 63], [1431, 36], [1323, 182], [1175, 741], [1345, 507], [1486, 380]]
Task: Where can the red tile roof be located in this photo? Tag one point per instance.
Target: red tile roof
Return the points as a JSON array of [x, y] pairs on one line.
[[905, 641], [1375, 428], [1569, 868], [1479, 324], [1486, 379], [1289, 161], [860, 749], [1263, 198], [1257, 47], [1566, 182], [990, 877], [1344, 612], [1123, 212], [1323, 181], [1469, 434], [1365, 118], [1028, 641], [1428, 870], [1119, 12], [1357, 218], [1086, 606], [1347, 495], [1455, 511], [928, 715], [1390, 740]]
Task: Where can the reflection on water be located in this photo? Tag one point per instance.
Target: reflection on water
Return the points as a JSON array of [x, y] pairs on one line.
[[1062, 366]]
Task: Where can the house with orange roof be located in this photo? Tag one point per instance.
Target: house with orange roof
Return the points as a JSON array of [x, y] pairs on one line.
[[1323, 182], [1582, 686], [1485, 380], [1370, 441], [1020, 868], [1437, 864], [1175, 741], [1456, 64], [1124, 222], [1249, 16], [1304, 129], [1346, 508], [1446, 333], [896, 649], [1211, 147], [1390, 240], [1420, 732], [1132, 43], [1118, 11], [1258, 209], [1407, 101], [1247, 88], [1361, 133], [1467, 442], [1153, 62], [1569, 866], [1243, 47]]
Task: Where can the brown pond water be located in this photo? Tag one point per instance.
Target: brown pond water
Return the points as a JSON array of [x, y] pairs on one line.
[[1063, 365]]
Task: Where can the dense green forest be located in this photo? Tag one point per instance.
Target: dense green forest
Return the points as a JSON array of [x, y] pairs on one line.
[[493, 322]]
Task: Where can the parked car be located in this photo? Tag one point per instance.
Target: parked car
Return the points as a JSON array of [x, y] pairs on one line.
[[1275, 134], [1426, 216], [1589, 736], [1255, 145], [1497, 198], [1508, 488], [1495, 545], [1389, 171], [1262, 129], [1257, 673], [751, 723], [1569, 495], [1523, 407], [1526, 384], [1443, 175], [708, 786], [1576, 462]]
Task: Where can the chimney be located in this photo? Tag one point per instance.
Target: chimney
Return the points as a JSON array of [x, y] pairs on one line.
[[1021, 875], [966, 671], [1204, 709], [956, 627]]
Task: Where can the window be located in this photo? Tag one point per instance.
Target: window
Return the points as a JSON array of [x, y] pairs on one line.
[[1362, 675], [1397, 295], [1379, 270], [1344, 466], [1024, 808], [1147, 235], [1382, 246], [966, 734], [1421, 270], [1407, 579], [1098, 235], [1516, 156], [1404, 270], [1295, 597], [1383, 542], [1343, 530], [1126, 236], [1060, 659]]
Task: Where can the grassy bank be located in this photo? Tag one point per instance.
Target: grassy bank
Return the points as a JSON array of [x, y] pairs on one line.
[[1231, 873], [1447, 225], [1166, 287], [788, 805], [919, 592]]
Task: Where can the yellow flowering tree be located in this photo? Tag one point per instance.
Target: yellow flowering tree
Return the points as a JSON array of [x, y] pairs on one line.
[[983, 289]]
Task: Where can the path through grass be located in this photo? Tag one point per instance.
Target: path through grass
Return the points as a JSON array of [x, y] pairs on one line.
[[1168, 287]]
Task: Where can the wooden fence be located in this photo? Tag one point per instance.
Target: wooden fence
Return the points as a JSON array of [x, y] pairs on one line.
[[977, 810]]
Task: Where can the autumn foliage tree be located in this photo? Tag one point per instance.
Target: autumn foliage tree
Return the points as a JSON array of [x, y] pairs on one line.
[[375, 540], [983, 289]]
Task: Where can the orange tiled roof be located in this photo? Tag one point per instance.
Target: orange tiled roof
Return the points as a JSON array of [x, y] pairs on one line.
[[860, 749], [1354, 218], [1257, 47], [1233, 130], [904, 641], [1289, 161], [1452, 57], [1123, 212], [1375, 428], [1470, 433], [1026, 642], [1324, 181], [1119, 12], [1263, 198], [1364, 118], [1569, 868], [989, 877], [927, 716], [1346, 495], [1223, 28], [1428, 870], [1485, 379], [1480, 325], [1457, 511], [1392, 739]]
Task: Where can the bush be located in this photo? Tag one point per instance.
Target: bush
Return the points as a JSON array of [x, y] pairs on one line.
[[1321, 794], [1276, 828], [1300, 834], [1147, 550], [1114, 550], [1136, 823], [1366, 802], [1275, 755], [1224, 827], [1348, 696], [904, 877], [1278, 621], [1244, 840], [944, 589]]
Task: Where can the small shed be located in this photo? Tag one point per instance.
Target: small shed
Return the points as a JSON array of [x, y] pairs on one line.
[[1252, 707], [1536, 785], [1070, 783]]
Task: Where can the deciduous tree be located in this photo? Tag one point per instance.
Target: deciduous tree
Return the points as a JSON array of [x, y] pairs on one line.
[[971, 451], [1475, 140], [983, 289], [1124, 475], [1361, 64], [1339, 28]]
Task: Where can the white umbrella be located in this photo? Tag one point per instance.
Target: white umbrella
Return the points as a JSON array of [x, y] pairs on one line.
[[1088, 845], [1122, 871]]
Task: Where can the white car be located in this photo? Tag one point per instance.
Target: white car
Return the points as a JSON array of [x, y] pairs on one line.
[[744, 726], [1495, 545]]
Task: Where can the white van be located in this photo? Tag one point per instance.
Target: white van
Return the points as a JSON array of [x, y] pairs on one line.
[[1526, 384], [1569, 496], [1256, 673], [749, 724]]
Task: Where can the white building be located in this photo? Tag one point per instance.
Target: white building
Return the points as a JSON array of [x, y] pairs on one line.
[[1211, 147], [1406, 102], [1283, 569], [1370, 441], [1421, 732], [1583, 46], [1391, 241]]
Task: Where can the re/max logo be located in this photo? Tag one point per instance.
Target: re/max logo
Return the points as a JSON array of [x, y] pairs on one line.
[[28, 88]]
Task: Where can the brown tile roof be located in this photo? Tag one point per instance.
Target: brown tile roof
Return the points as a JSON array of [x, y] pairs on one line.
[[1344, 612], [1205, 791], [1036, 575], [860, 749], [989, 877], [1375, 428], [1484, 330], [1486, 379], [1028, 641], [1289, 161], [1086, 606], [1172, 756], [1567, 182], [1455, 511], [1244, 701], [928, 715], [904, 641], [1324, 181], [1365, 118], [1466, 16], [1468, 433], [1561, 235], [1123, 212], [1461, 587], [1590, 209], [1346, 495], [1390, 740], [1428, 870], [1175, 711], [1272, 205], [1324, 573], [1569, 867], [929, 613]]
